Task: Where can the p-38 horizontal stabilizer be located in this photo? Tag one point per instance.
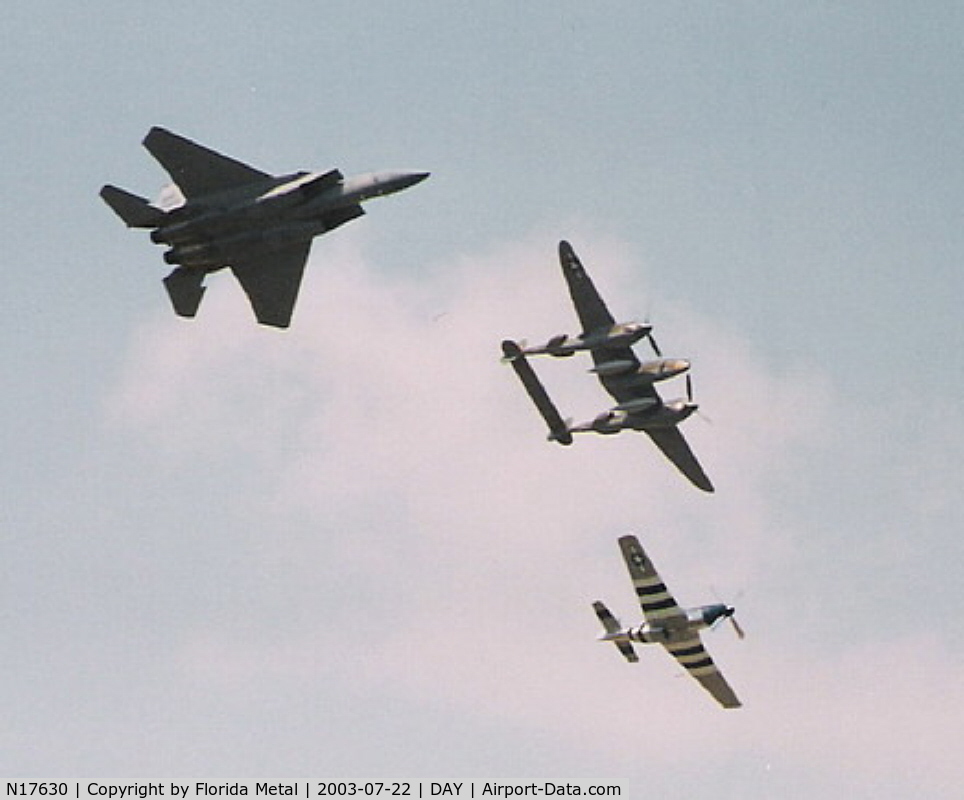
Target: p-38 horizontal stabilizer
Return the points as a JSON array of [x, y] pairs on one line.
[[558, 429]]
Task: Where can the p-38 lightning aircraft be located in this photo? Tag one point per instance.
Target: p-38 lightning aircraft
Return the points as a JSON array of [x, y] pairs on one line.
[[236, 216], [630, 382], [667, 624]]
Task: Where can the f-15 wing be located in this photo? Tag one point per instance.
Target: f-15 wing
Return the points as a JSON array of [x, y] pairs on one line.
[[271, 280], [198, 170]]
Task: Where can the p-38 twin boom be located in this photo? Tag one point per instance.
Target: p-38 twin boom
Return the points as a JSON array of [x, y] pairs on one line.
[[631, 382]]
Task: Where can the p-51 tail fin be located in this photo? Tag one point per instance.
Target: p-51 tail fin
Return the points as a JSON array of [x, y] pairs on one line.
[[134, 210], [613, 631]]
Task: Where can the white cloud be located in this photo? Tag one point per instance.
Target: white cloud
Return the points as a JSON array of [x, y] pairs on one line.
[[384, 417]]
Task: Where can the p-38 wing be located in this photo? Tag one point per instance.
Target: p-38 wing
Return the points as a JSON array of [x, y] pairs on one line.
[[630, 382], [594, 315], [669, 439]]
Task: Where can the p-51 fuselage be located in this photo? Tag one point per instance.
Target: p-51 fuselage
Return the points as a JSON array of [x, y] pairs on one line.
[[650, 633]]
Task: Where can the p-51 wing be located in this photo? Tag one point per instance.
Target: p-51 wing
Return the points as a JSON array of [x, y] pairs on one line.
[[692, 656], [661, 609], [270, 278], [658, 605]]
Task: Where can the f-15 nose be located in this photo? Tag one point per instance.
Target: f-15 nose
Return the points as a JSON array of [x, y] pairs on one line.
[[391, 182], [407, 179]]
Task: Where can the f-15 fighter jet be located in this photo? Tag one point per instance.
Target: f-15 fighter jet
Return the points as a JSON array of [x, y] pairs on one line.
[[667, 624], [630, 382], [236, 216]]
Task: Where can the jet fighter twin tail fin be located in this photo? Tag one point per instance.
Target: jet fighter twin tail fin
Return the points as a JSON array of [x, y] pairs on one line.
[[613, 631], [185, 288], [134, 210]]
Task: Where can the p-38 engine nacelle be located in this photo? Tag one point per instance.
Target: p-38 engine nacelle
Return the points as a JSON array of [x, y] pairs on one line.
[[608, 422]]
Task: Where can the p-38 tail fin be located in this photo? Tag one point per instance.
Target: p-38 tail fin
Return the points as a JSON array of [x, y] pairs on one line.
[[134, 210]]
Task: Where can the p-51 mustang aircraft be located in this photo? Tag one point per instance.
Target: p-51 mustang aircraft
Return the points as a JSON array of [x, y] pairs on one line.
[[668, 624], [236, 216], [630, 382]]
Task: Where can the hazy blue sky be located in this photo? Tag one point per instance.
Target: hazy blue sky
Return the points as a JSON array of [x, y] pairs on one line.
[[345, 551]]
